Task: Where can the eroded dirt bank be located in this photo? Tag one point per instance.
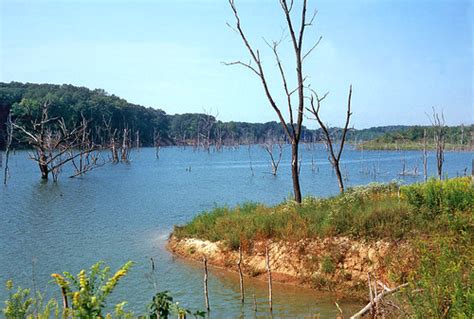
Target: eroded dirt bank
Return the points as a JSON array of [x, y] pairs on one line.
[[338, 264]]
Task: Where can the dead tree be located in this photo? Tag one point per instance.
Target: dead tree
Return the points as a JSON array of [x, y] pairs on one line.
[[205, 128], [425, 157], [126, 145], [334, 156], [438, 123], [9, 137], [274, 160], [137, 140], [89, 156], [249, 146], [269, 274], [241, 276], [112, 139], [292, 127], [206, 288], [54, 144], [156, 142]]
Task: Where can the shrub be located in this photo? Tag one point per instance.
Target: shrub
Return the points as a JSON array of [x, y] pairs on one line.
[[21, 304], [327, 265], [89, 290], [442, 285]]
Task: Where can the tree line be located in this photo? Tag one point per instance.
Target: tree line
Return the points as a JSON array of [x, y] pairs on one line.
[[72, 103]]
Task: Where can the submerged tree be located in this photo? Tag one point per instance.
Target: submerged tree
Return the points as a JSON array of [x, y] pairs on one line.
[[438, 123], [8, 143], [275, 159], [292, 127], [334, 155], [53, 143]]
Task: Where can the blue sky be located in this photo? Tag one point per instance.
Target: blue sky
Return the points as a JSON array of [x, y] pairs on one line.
[[402, 57]]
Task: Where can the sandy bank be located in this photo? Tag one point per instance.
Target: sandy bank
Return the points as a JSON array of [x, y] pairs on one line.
[[339, 264]]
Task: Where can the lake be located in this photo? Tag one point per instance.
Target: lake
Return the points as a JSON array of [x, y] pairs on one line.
[[126, 212]]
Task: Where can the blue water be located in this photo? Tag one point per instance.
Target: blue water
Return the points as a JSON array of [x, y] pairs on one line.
[[126, 212]]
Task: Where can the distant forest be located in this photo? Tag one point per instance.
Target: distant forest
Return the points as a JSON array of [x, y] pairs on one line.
[[100, 109]]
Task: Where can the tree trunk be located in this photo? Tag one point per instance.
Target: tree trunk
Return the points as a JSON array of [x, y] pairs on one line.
[[339, 177], [43, 167], [295, 171]]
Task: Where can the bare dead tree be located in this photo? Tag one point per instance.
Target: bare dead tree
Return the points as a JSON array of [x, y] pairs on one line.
[[89, 156], [137, 140], [425, 157], [334, 156], [292, 127], [241, 276], [206, 124], [249, 146], [126, 145], [156, 142], [269, 273], [206, 288], [9, 137], [438, 123], [54, 144], [111, 138], [218, 138], [275, 159]]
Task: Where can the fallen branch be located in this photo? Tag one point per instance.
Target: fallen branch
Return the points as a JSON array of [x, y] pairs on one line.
[[378, 298]]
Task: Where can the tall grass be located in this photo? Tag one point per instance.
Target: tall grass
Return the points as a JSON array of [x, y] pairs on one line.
[[375, 211]]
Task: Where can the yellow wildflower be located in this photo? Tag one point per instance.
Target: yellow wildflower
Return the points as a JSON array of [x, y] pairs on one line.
[[82, 279], [75, 298], [60, 280]]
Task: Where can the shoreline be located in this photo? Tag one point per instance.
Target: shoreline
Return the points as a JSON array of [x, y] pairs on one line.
[[339, 265]]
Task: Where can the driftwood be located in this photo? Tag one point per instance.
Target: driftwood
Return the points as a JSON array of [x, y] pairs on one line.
[[269, 272], [371, 306], [241, 277], [206, 288]]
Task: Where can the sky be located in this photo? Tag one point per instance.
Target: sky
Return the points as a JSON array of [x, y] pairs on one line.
[[402, 57]]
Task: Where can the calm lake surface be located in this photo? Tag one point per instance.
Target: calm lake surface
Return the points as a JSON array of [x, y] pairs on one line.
[[126, 212]]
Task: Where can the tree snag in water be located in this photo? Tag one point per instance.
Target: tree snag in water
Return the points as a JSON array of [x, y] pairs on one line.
[[292, 127], [334, 157]]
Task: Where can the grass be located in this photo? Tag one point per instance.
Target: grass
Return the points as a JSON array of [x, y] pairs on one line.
[[376, 211]]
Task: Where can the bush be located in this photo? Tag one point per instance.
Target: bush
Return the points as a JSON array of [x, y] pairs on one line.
[[21, 304], [442, 285], [89, 290], [435, 197]]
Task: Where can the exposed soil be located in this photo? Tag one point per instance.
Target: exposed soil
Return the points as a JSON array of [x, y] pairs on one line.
[[339, 264]]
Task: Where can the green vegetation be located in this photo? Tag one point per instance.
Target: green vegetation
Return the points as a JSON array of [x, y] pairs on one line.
[[97, 106], [434, 218], [84, 296], [442, 284], [372, 212], [412, 138]]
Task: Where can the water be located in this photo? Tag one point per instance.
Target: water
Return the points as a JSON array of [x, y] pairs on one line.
[[126, 212]]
